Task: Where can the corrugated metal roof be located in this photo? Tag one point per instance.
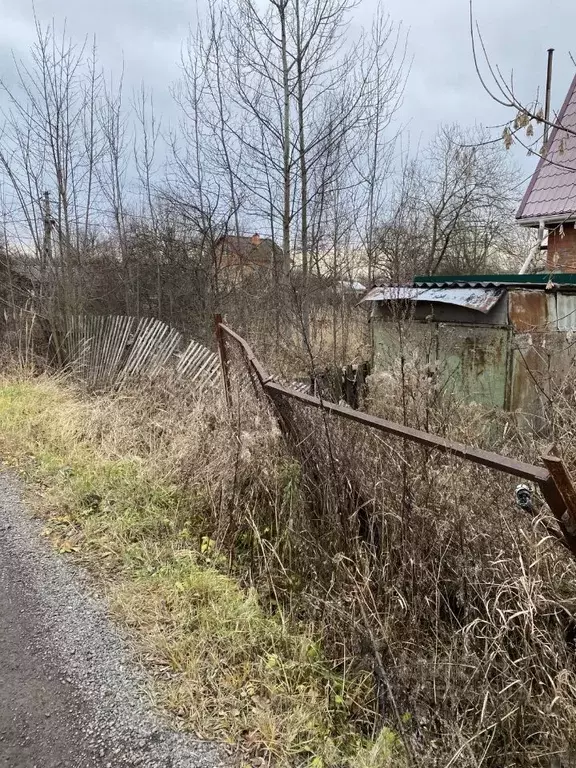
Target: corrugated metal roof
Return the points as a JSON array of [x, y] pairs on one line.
[[563, 279], [392, 293], [552, 189], [480, 299]]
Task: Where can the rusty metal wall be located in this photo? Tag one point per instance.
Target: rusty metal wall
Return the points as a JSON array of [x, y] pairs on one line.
[[533, 319], [478, 357], [542, 312], [528, 311], [529, 376], [541, 353]]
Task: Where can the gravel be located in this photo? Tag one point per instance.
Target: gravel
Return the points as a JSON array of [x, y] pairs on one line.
[[70, 694]]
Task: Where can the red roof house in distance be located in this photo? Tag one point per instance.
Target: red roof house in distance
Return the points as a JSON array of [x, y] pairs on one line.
[[550, 199], [249, 253]]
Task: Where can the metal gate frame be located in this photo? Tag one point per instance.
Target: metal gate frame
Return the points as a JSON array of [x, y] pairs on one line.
[[553, 478]]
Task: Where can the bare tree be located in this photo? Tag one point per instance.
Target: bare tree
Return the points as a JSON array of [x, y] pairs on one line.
[[285, 128], [301, 90], [530, 118], [50, 144], [112, 177], [454, 209]]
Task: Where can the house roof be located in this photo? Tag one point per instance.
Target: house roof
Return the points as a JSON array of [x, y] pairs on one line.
[[551, 193], [247, 249]]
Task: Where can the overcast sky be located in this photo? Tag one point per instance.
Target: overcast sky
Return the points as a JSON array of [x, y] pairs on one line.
[[442, 86]]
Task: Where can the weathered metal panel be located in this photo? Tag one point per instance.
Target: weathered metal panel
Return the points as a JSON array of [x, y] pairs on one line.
[[417, 342], [393, 293], [551, 297], [561, 352], [448, 313], [528, 311], [479, 299], [530, 379], [566, 311], [442, 313], [472, 363]]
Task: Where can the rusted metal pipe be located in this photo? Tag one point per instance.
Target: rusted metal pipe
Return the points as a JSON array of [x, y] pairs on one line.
[[218, 326], [429, 440]]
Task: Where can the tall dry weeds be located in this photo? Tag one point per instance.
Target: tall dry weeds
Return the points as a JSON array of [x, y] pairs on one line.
[[414, 568], [421, 568]]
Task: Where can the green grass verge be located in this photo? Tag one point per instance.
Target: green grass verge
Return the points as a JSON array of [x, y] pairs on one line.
[[227, 668]]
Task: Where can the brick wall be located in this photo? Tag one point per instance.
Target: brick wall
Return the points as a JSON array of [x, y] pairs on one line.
[[561, 256]]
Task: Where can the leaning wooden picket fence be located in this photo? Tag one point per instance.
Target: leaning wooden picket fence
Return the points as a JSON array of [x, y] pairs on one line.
[[290, 405], [110, 351]]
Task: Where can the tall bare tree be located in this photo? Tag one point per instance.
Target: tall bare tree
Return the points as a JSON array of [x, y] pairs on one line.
[[50, 145], [454, 209]]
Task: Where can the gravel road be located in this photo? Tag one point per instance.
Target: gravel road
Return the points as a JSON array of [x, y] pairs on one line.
[[70, 697]]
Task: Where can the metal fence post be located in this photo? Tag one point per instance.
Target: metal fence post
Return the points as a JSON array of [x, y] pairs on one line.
[[222, 353], [563, 482]]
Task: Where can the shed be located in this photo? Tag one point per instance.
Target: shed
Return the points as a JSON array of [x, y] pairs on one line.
[[499, 340]]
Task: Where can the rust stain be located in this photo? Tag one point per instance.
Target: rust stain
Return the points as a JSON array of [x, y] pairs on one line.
[[475, 355], [529, 375], [528, 310]]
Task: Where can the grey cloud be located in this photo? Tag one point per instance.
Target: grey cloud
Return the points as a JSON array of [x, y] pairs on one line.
[[443, 87]]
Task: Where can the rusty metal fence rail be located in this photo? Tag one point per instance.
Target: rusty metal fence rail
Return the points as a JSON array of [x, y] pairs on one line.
[[552, 477]]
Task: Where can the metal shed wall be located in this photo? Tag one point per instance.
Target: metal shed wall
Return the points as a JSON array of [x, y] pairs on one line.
[[470, 361], [510, 357]]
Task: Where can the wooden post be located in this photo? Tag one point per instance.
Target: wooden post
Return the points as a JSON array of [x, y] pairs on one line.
[[349, 394], [555, 501], [223, 359]]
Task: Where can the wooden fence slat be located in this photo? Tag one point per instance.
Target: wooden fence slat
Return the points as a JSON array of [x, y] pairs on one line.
[[109, 349], [187, 357], [125, 329]]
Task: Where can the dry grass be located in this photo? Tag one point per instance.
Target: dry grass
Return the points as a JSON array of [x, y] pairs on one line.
[[336, 336], [421, 567], [352, 601], [138, 489]]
